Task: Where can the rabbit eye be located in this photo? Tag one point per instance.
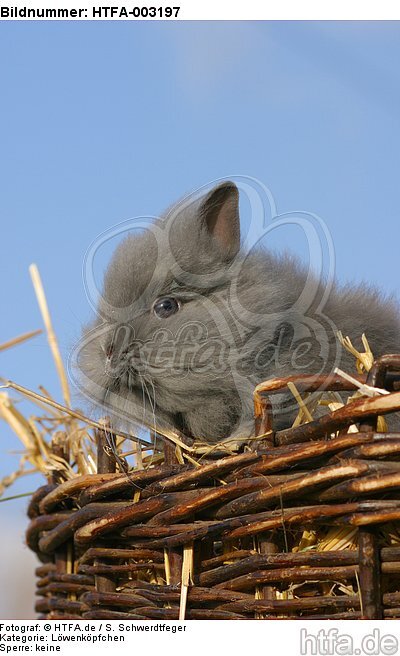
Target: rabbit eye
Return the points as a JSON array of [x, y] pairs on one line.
[[165, 307]]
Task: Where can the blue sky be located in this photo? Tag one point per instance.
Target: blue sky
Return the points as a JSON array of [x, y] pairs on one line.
[[104, 121]]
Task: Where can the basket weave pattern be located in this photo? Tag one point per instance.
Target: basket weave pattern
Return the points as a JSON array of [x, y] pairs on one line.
[[223, 540]]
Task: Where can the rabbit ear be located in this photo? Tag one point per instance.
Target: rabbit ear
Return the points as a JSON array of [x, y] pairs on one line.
[[220, 213]]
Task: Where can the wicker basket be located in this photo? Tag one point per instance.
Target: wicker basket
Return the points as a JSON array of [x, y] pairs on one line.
[[238, 537]]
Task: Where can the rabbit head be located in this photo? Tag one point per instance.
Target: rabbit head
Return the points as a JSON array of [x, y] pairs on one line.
[[160, 350]]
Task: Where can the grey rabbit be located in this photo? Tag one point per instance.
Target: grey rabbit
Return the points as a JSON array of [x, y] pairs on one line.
[[188, 324]]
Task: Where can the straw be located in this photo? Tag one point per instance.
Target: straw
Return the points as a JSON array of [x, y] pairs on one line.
[[19, 339], [51, 336]]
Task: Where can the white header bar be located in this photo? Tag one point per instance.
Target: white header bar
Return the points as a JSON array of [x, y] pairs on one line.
[[134, 10]]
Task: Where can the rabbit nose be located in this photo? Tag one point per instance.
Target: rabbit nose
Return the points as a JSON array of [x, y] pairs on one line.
[[112, 364], [118, 344]]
